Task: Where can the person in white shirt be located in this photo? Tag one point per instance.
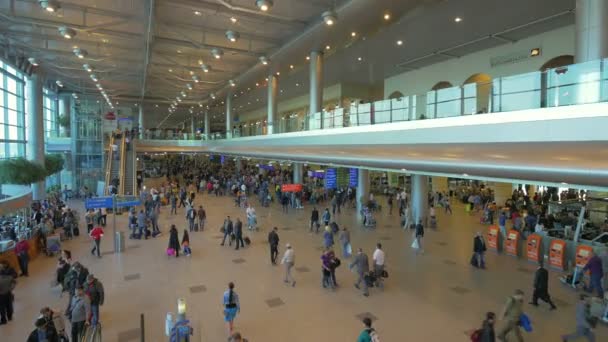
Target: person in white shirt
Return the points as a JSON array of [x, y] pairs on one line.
[[288, 260], [378, 258]]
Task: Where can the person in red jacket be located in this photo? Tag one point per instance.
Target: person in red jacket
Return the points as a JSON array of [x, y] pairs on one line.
[[21, 250], [96, 234]]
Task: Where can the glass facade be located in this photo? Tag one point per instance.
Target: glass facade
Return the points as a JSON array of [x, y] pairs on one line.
[[49, 105], [12, 113]]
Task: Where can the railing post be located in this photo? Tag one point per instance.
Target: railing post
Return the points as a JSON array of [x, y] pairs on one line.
[[142, 328]]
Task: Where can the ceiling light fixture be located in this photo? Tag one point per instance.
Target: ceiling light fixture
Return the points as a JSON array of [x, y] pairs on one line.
[[264, 5], [400, 42], [359, 59], [74, 95], [232, 83], [49, 5], [170, 70], [183, 93], [232, 36], [198, 13], [195, 78], [307, 58], [233, 19], [387, 16], [99, 86], [67, 32], [80, 53], [457, 19], [33, 61], [59, 84], [217, 53], [205, 67], [329, 17], [189, 86], [264, 60], [353, 34], [94, 78], [291, 66], [87, 67], [212, 96], [327, 47]]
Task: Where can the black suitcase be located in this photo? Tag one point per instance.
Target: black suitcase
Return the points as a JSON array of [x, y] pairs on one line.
[[76, 231], [196, 227], [247, 240]]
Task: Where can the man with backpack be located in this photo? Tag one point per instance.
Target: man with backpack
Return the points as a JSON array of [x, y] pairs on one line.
[[511, 316], [368, 334], [94, 289]]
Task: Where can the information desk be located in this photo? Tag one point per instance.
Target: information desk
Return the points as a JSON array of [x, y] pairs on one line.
[[11, 258]]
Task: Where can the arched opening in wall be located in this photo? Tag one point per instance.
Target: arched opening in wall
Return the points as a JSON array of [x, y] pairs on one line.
[[395, 95], [557, 62], [482, 90], [442, 85]]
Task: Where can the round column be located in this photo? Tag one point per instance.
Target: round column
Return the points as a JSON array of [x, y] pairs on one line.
[[420, 190], [362, 190], [316, 83], [273, 91], [35, 130], [591, 30], [229, 115]]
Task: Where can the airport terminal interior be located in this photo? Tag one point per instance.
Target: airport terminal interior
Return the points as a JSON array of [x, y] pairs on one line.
[[290, 170]]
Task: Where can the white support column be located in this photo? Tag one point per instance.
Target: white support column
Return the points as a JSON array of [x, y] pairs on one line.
[[206, 124], [297, 173], [64, 109], [141, 122], [419, 197], [362, 190], [316, 83], [591, 26], [273, 91], [229, 115], [35, 131], [192, 128]]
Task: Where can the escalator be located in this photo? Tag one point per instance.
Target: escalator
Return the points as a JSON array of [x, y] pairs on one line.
[[91, 334], [130, 182], [113, 165]]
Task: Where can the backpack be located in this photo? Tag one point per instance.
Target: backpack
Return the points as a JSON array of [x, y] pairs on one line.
[[373, 335], [476, 335]]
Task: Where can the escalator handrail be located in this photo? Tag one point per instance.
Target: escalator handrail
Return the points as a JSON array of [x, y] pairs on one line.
[[122, 171], [91, 333], [109, 166], [134, 169]]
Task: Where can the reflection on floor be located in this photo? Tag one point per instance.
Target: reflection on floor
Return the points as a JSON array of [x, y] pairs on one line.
[[432, 297]]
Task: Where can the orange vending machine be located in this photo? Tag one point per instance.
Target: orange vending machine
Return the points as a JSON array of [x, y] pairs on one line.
[[494, 238], [557, 254], [512, 243], [533, 248], [583, 254]]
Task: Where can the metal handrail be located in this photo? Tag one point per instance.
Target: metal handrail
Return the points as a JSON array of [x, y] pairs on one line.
[[91, 333], [108, 166]]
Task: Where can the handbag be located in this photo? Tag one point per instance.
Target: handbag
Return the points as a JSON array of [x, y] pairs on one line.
[[170, 252], [525, 322], [384, 274]]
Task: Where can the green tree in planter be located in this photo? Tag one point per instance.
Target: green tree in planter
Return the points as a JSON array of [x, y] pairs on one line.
[[53, 163], [21, 171]]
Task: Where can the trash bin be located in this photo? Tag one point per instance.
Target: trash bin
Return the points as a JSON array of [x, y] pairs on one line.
[[119, 242]]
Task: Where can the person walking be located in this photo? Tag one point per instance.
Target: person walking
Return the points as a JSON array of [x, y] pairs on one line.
[[407, 217], [361, 265], [389, 202], [44, 332], [154, 221], [174, 240], [446, 204], [583, 321], [55, 319], [7, 285], [378, 258], [345, 241], [418, 235], [238, 233], [486, 333], [595, 267], [541, 287], [326, 217], [94, 290], [173, 200], [273, 240], [479, 250], [368, 334], [141, 223], [228, 230], [96, 234], [328, 238], [511, 316], [186, 243], [80, 311], [202, 217], [251, 217], [232, 306], [22, 251], [314, 220], [502, 222], [289, 259], [326, 269], [191, 217]]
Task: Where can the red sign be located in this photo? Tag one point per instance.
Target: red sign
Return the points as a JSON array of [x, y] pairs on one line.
[[583, 254], [493, 233], [512, 243], [110, 116], [533, 248], [557, 253], [291, 187]]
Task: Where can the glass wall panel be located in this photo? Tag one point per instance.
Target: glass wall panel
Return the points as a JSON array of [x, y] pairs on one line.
[[12, 114]]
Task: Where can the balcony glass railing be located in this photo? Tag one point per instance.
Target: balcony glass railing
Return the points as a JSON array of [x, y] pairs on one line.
[[575, 84]]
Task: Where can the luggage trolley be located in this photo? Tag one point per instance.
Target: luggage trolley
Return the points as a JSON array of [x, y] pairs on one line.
[[53, 244]]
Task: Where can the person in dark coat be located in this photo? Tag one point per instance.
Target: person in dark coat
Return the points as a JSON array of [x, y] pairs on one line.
[[174, 240], [273, 241], [479, 248], [43, 332], [541, 287], [238, 233], [487, 328]]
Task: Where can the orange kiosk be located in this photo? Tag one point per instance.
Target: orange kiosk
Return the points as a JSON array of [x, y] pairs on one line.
[[291, 187], [512, 243], [557, 254], [494, 238], [533, 248], [583, 254]]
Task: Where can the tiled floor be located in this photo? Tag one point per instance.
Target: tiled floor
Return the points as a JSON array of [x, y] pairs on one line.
[[436, 296]]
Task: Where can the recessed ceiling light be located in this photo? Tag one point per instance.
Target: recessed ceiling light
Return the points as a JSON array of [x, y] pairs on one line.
[[291, 66], [353, 34], [465, 174], [327, 47], [264, 5], [217, 53], [458, 19], [359, 59], [49, 5], [59, 84], [232, 83], [264, 60], [198, 13], [33, 61], [189, 86], [205, 67], [400, 42], [307, 58], [179, 51], [80, 53], [156, 106], [329, 17], [233, 19], [170, 70], [67, 32], [278, 73], [266, 79], [387, 16], [232, 36], [297, 84]]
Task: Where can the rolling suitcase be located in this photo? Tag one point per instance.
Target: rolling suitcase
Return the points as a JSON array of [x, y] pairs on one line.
[[196, 227]]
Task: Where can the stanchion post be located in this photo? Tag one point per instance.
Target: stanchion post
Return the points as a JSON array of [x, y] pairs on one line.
[[141, 328]]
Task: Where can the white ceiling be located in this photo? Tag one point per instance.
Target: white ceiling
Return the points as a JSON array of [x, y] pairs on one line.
[[121, 35]]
